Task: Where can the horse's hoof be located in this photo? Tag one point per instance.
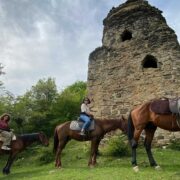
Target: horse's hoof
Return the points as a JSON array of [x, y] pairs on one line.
[[91, 166], [59, 167], [6, 171], [158, 168], [136, 168]]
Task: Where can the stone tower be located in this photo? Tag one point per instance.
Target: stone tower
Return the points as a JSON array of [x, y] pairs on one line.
[[139, 60]]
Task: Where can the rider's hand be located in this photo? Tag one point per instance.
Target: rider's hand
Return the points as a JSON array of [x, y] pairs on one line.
[[92, 116]]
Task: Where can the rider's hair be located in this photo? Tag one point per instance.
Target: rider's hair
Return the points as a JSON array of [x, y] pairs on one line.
[[5, 114], [86, 98]]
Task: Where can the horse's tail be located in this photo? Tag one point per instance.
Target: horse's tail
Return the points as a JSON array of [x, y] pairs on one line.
[[130, 127], [56, 141]]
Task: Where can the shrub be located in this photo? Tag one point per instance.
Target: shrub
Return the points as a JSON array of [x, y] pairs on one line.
[[175, 145], [46, 157], [116, 146]]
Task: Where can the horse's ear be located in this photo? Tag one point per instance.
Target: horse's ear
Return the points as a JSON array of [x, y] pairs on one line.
[[42, 133]]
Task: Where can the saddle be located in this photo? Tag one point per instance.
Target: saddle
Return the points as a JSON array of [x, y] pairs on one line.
[[77, 125], [3, 139], [166, 106]]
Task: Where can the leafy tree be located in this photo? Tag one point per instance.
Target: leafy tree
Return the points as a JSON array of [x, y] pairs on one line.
[[67, 106], [6, 102], [22, 110], [44, 94], [6, 105], [42, 107], [41, 96], [1, 72]]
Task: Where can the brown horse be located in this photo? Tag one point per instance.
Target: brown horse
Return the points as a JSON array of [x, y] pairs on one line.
[[143, 118], [63, 134], [19, 145]]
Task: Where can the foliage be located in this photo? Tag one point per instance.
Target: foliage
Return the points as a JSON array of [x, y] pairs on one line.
[[21, 112], [116, 146], [43, 94], [175, 145], [6, 102], [42, 107], [1, 72], [46, 157], [41, 98], [67, 105]]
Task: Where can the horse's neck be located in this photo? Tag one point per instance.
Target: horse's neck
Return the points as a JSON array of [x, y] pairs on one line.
[[109, 125], [28, 139]]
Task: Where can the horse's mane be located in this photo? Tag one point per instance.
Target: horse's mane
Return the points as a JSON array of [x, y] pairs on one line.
[[108, 119], [28, 137]]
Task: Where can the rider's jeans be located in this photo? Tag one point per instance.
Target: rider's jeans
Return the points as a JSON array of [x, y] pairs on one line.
[[86, 120]]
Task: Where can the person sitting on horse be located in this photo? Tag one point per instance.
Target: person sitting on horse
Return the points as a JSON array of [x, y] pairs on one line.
[[5, 131], [85, 115]]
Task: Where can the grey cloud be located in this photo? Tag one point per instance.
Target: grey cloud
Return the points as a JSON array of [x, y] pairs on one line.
[[53, 38]]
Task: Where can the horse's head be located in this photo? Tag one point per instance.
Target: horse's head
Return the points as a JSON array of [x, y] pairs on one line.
[[43, 138]]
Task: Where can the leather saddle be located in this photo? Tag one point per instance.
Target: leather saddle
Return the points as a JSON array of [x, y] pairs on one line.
[[77, 125], [166, 106]]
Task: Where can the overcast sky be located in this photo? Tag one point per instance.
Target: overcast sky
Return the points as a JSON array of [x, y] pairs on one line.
[[53, 38]]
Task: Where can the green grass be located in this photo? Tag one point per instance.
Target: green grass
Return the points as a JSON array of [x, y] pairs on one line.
[[75, 158]]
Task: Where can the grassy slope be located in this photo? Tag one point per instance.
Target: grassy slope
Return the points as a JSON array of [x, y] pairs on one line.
[[75, 158]]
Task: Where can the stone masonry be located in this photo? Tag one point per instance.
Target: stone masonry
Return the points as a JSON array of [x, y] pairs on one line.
[[139, 60]]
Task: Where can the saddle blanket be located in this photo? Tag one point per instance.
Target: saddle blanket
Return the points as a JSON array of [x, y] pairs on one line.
[[77, 125], [160, 106], [166, 106]]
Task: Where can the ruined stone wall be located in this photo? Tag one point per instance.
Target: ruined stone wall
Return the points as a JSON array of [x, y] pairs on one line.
[[139, 60]]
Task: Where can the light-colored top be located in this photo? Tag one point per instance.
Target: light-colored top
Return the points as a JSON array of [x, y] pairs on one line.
[[84, 108]]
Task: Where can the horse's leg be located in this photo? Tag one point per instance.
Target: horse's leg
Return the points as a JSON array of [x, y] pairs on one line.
[[61, 145], [134, 144], [147, 144], [94, 150], [6, 169]]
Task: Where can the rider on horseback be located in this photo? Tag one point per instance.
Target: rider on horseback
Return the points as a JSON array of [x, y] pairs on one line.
[[5, 131], [85, 115]]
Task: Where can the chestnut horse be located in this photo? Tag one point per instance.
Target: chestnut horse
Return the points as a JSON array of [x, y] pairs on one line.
[[63, 134], [142, 118], [19, 145]]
